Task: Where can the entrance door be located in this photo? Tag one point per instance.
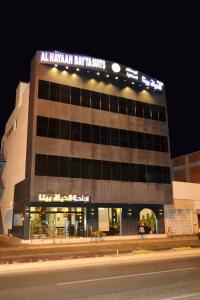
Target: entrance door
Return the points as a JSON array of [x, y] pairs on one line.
[[74, 224]]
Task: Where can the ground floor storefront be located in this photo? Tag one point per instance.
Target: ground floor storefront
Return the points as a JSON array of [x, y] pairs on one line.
[[65, 220]]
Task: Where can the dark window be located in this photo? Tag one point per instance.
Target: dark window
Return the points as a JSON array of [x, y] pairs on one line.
[[132, 137], [142, 173], [42, 126], [53, 128], [130, 104], [41, 164], [75, 131], [149, 141], [116, 171], [85, 133], [105, 102], [85, 98], [64, 93], [164, 143], [96, 169], [156, 142], [105, 135], [114, 104], [95, 134], [139, 109], [43, 89], [106, 170], [114, 137], [147, 110], [52, 166], [150, 175], [134, 172], [64, 130], [54, 91], [75, 96], [122, 106], [123, 138], [154, 112], [63, 166], [125, 172], [165, 175], [95, 100], [86, 168], [162, 116], [75, 167], [140, 140]]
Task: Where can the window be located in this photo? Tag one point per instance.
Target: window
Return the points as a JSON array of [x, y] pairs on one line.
[[75, 96], [122, 106], [42, 126], [147, 110], [158, 178], [52, 166], [106, 170], [54, 91], [156, 142], [95, 100], [105, 102], [140, 140], [105, 135], [125, 172], [149, 141], [43, 89], [162, 116], [123, 138], [85, 132], [164, 143], [53, 128], [165, 175], [115, 171], [142, 173], [63, 166], [132, 137], [114, 135], [95, 134], [139, 109], [96, 169], [40, 164], [75, 167], [114, 104], [86, 168], [154, 112], [64, 130], [150, 176], [75, 131], [64, 93], [85, 98], [130, 104], [134, 172]]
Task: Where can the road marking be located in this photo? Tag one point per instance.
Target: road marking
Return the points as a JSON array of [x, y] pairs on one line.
[[122, 276], [181, 297]]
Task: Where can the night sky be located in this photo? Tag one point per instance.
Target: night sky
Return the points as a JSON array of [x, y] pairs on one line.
[[155, 39]]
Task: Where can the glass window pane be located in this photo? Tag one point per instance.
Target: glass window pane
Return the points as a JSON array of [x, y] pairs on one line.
[[134, 172], [75, 167], [52, 166], [42, 126], [54, 91], [142, 173], [116, 171], [86, 168], [132, 139], [64, 130], [164, 143], [64, 93], [162, 115], [41, 164], [53, 128], [96, 169], [140, 140], [43, 89], [75, 96], [106, 170], [95, 134], [154, 112], [95, 100], [156, 142], [63, 166], [105, 102], [125, 172], [139, 109], [105, 135], [114, 135], [149, 141], [150, 173], [130, 104], [122, 106], [75, 131], [85, 132], [147, 110], [114, 104], [123, 138], [85, 98]]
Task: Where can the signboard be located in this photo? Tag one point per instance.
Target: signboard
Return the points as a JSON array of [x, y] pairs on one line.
[[62, 198]]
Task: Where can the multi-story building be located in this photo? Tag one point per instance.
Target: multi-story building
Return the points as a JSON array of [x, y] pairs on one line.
[[86, 148]]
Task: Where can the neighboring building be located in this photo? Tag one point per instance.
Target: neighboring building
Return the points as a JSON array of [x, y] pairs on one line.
[[86, 148], [186, 168]]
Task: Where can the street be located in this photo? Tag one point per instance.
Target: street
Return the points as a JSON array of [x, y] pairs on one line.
[[174, 278]]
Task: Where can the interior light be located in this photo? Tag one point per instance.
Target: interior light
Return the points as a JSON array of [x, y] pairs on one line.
[[77, 69], [133, 82], [55, 65], [67, 67], [107, 75], [98, 73], [116, 77]]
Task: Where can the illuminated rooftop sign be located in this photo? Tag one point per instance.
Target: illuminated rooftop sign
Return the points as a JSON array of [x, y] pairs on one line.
[[102, 66]]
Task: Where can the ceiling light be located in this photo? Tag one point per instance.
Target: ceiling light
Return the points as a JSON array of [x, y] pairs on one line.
[[107, 75], [55, 65], [116, 77], [77, 69], [98, 73]]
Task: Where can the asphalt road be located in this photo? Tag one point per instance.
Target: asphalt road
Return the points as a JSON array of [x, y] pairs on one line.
[[177, 278]]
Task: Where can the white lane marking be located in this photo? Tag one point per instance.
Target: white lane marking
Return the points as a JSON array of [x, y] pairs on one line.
[[122, 276], [182, 296]]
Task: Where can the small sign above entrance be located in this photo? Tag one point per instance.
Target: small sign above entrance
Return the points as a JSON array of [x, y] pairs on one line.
[[62, 198]]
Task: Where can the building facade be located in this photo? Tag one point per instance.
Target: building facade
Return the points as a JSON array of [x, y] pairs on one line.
[[93, 151]]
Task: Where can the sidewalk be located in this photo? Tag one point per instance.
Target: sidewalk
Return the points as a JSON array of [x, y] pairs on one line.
[[112, 259]]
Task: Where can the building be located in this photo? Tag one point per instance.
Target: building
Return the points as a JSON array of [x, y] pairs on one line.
[[86, 148]]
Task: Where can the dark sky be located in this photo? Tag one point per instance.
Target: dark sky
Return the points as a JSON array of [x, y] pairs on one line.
[[158, 39]]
